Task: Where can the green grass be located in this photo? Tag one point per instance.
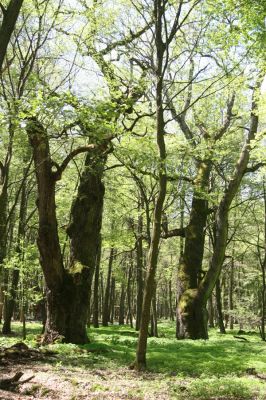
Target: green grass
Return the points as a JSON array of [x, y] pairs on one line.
[[202, 369]]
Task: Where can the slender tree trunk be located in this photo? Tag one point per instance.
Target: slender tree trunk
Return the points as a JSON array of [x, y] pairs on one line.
[[219, 307], [263, 303], [121, 320], [231, 293], [171, 301], [263, 271], [139, 275], [129, 305], [4, 181], [11, 298], [211, 312], [101, 294], [106, 304], [140, 361], [154, 326], [96, 289], [112, 301]]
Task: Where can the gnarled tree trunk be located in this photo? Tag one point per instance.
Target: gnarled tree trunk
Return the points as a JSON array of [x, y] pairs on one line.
[[67, 288]]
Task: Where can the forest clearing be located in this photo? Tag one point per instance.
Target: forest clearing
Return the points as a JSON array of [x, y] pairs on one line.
[[133, 199], [221, 368]]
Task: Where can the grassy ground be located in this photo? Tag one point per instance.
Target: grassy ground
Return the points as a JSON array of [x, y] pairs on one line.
[[218, 368]]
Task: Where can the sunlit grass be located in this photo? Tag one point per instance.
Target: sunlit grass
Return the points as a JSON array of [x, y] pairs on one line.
[[203, 369]]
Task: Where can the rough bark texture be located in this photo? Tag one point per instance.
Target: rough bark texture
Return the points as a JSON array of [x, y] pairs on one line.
[[67, 288], [84, 232], [221, 219], [190, 268], [197, 289], [10, 16]]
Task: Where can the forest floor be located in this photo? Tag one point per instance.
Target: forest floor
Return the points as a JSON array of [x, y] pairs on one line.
[[221, 368]]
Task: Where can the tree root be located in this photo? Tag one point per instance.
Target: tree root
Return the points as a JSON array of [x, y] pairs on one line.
[[9, 384]]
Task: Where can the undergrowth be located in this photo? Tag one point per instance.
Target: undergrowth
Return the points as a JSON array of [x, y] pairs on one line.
[[218, 368]]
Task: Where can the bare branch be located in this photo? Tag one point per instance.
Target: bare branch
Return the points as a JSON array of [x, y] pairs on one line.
[[229, 115], [126, 40]]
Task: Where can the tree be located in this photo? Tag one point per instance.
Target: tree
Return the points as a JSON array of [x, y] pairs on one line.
[[10, 16]]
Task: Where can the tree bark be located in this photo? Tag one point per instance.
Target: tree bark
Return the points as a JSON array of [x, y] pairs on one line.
[[140, 361], [84, 231], [11, 298], [10, 16], [211, 312], [121, 320], [129, 305], [4, 181], [221, 219], [154, 327], [196, 290], [231, 292], [112, 301], [67, 288], [190, 268], [106, 304], [262, 261], [219, 307], [139, 274], [96, 289]]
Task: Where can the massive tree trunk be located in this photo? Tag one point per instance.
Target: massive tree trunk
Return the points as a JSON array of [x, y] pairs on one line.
[[221, 219], [195, 286], [67, 288], [191, 313], [10, 15], [84, 231]]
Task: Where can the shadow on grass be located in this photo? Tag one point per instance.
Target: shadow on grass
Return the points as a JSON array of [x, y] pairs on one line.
[[114, 346]]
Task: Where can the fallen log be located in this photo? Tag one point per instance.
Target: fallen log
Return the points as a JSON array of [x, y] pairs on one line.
[[241, 338], [20, 352]]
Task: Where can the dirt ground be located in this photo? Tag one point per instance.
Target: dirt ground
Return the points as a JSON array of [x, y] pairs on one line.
[[56, 382]]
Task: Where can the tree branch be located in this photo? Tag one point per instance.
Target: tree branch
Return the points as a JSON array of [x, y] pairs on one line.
[[126, 40], [173, 233], [254, 167], [229, 115]]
